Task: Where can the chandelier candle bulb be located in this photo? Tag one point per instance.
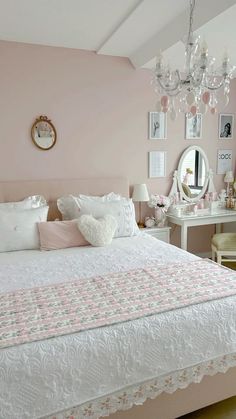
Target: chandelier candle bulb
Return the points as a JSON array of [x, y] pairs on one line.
[[204, 48]]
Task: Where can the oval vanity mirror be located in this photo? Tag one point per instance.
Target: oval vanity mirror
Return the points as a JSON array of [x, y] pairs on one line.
[[43, 133], [193, 174], [193, 178]]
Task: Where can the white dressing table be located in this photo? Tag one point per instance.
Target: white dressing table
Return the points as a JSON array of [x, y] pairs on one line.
[[194, 160], [185, 221]]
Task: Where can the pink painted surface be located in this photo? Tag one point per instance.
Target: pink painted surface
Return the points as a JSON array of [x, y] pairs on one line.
[[99, 106]]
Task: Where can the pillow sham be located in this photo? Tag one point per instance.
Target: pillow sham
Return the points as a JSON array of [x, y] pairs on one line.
[[112, 196], [122, 210], [33, 201], [98, 232], [55, 235], [18, 228], [69, 210]]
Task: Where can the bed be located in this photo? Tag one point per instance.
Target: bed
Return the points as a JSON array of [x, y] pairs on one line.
[[106, 370]]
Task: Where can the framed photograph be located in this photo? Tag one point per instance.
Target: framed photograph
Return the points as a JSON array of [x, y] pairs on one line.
[[193, 127], [157, 126], [224, 161], [226, 126], [156, 164]]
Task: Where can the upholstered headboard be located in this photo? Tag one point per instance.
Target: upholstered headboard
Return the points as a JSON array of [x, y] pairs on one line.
[[53, 189]]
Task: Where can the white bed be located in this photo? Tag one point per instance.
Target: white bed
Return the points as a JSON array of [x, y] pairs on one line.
[[41, 378], [108, 369]]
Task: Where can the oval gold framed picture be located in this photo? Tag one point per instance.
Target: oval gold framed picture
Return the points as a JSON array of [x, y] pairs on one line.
[[43, 133]]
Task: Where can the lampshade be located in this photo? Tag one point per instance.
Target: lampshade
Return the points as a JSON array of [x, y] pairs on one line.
[[229, 177], [140, 193]]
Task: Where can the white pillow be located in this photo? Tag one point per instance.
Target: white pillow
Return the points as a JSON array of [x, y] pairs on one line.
[[69, 210], [33, 201], [112, 196], [123, 211], [98, 232], [18, 228]]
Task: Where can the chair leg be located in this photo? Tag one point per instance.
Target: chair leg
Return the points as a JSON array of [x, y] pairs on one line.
[[212, 255], [218, 258]]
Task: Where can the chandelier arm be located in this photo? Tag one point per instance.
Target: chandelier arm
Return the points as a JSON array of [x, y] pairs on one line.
[[215, 87], [196, 83], [177, 86]]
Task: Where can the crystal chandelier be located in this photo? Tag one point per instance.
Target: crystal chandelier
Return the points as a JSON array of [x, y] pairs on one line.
[[195, 89]]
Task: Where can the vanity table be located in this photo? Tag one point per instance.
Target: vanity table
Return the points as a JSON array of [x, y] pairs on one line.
[[185, 221], [194, 163]]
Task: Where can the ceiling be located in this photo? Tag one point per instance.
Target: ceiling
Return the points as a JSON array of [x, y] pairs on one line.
[[136, 29]]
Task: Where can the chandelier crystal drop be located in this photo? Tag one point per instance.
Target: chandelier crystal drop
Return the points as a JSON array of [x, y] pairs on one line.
[[195, 89]]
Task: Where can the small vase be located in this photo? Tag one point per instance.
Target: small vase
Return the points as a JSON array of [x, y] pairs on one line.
[[160, 216]]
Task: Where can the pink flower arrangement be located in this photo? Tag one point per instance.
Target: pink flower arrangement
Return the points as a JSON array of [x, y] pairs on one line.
[[161, 201]]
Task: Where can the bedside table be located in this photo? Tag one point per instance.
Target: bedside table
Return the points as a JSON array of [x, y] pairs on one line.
[[161, 233]]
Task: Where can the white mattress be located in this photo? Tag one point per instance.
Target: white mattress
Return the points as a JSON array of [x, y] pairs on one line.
[[40, 378]]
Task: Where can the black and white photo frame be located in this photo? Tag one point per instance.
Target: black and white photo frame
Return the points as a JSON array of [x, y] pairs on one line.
[[193, 127], [157, 126], [226, 126]]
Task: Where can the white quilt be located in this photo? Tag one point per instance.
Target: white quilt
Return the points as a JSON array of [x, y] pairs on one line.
[[41, 378]]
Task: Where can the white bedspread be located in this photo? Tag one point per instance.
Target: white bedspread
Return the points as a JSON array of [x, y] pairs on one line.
[[40, 378]]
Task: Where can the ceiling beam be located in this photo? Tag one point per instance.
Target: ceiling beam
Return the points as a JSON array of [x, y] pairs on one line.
[[205, 11], [102, 46]]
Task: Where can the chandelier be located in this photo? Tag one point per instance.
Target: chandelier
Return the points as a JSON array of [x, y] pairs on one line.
[[195, 89]]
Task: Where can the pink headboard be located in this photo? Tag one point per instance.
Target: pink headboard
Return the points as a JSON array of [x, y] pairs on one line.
[[53, 189]]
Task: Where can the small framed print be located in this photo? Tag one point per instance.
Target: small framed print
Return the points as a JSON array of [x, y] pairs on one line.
[[226, 126], [157, 126], [193, 127], [224, 161], [156, 164]]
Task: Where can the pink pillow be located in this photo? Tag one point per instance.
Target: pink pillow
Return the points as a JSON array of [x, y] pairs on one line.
[[59, 235]]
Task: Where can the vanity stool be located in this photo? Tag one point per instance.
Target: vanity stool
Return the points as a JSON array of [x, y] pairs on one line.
[[223, 244]]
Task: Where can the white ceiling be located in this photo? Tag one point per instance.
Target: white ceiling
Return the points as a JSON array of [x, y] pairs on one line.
[[131, 28]]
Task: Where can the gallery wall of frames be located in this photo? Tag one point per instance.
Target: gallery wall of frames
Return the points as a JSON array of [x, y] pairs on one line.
[[194, 128]]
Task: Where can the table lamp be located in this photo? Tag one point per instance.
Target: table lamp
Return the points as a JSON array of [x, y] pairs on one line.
[[140, 194], [229, 178]]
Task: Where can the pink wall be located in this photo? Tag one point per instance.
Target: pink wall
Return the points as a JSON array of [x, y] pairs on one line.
[[99, 106]]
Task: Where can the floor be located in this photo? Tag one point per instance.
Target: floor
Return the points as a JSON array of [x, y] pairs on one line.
[[231, 265], [222, 410]]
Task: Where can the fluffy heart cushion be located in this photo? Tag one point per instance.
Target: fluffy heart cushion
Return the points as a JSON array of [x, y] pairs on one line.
[[98, 232]]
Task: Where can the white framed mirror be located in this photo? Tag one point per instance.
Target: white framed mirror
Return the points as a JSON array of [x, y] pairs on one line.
[[193, 177]]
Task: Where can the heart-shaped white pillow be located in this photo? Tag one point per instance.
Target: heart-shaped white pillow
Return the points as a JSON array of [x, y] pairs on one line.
[[98, 232]]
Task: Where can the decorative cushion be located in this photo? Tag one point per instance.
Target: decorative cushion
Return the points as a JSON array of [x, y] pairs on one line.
[[33, 201], [98, 232], [60, 235], [19, 228], [122, 210], [70, 210], [224, 241]]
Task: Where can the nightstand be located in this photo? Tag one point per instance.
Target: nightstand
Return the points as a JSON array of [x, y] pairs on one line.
[[161, 233]]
